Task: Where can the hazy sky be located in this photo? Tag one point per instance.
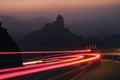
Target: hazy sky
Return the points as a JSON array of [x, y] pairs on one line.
[[74, 11], [26, 8]]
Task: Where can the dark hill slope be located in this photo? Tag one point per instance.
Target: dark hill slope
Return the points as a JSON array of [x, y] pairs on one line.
[[52, 34], [7, 44]]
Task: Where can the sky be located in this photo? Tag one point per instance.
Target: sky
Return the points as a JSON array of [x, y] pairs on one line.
[[30, 8], [75, 12]]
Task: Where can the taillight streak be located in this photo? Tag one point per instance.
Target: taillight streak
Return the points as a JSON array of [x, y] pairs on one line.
[[76, 60]]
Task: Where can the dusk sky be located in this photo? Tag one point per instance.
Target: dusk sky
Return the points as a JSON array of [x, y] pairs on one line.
[[30, 8], [81, 16]]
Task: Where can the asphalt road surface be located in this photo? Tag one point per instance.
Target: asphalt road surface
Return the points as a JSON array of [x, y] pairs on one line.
[[92, 69], [107, 70], [54, 63]]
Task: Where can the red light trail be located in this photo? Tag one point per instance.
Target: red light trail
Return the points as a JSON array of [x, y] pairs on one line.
[[40, 65], [46, 52], [70, 60], [54, 58]]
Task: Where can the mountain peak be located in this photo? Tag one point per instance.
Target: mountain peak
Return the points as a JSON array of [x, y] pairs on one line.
[[55, 25], [52, 34], [60, 20]]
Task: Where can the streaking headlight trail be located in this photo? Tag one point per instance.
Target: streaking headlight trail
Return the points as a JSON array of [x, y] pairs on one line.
[[66, 60], [46, 52]]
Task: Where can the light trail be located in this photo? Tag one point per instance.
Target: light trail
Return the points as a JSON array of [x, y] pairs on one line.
[[41, 65], [92, 57], [46, 52], [41, 60]]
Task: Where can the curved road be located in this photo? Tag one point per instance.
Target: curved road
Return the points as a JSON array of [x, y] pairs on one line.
[[68, 60], [107, 70]]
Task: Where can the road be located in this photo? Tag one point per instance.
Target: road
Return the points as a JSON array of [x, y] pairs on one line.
[[64, 61], [107, 70], [68, 67]]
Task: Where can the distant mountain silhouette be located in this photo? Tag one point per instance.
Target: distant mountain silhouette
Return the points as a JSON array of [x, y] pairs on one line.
[[113, 41], [52, 34], [99, 28], [105, 22], [37, 21], [18, 28], [7, 45]]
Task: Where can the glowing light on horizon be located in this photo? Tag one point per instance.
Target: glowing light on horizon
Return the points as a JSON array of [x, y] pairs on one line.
[[42, 5]]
